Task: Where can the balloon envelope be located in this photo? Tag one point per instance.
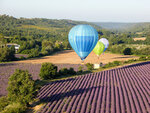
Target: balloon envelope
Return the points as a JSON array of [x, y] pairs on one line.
[[83, 39], [105, 42], [99, 48]]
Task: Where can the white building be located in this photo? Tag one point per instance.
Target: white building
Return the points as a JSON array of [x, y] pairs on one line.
[[13, 44]]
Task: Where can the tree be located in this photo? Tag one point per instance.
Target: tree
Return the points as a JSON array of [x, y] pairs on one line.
[[80, 69], [33, 53], [66, 45], [47, 47], [3, 102], [58, 45], [71, 71], [21, 87], [7, 54], [127, 51], [89, 66], [11, 53], [48, 71]]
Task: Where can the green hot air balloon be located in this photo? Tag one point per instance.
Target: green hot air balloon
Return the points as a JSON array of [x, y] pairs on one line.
[[99, 48]]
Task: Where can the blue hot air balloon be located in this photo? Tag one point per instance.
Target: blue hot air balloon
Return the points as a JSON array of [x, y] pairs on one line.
[[83, 39]]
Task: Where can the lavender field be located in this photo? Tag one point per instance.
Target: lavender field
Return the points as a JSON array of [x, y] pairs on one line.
[[8, 69], [121, 90]]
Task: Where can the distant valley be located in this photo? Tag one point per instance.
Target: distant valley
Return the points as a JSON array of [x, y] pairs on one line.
[[129, 27]]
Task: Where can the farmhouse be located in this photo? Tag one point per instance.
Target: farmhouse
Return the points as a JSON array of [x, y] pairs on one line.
[[13, 44]]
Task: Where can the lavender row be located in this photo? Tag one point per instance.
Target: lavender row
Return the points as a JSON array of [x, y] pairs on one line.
[[121, 90]]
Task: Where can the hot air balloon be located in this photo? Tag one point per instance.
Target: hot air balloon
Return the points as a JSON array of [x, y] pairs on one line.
[[105, 42], [83, 39], [99, 48]]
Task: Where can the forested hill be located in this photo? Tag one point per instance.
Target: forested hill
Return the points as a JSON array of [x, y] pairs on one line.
[[113, 25], [37, 28], [39, 36], [36, 36], [125, 27]]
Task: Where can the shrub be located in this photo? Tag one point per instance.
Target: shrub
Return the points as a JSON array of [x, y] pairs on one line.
[[89, 66], [3, 103], [80, 69], [15, 108], [117, 48], [71, 71], [112, 64], [130, 61], [143, 51], [125, 62], [101, 64], [22, 58], [33, 53], [127, 51], [63, 71], [143, 58], [116, 63], [21, 87], [44, 52], [48, 71], [148, 57], [108, 65]]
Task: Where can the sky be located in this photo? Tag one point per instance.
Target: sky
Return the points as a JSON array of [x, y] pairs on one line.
[[81, 10]]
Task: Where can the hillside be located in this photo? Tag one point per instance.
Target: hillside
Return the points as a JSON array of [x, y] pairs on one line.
[[37, 28], [37, 36], [40, 36], [114, 25], [125, 27]]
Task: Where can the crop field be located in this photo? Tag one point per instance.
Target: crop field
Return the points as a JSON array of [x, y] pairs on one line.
[[8, 69], [138, 46], [70, 57], [120, 90], [142, 38]]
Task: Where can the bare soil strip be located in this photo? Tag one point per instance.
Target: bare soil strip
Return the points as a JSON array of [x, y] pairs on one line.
[[142, 38], [70, 57]]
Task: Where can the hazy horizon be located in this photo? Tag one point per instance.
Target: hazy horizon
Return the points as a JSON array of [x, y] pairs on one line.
[[120, 11]]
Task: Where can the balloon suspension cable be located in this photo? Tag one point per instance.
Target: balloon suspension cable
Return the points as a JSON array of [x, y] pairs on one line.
[[82, 62], [98, 58]]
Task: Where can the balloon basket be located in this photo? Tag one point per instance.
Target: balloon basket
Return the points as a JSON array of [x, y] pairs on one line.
[[97, 66]]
